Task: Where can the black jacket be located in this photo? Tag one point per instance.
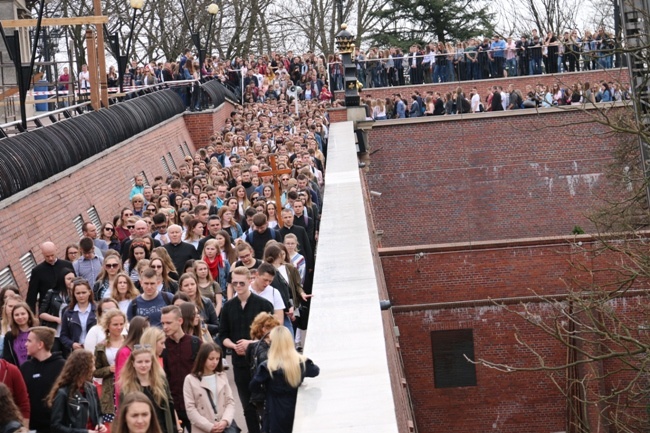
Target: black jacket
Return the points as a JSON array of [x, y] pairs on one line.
[[8, 353], [71, 410], [43, 278], [304, 245], [71, 326], [181, 253], [39, 377], [258, 240], [51, 304]]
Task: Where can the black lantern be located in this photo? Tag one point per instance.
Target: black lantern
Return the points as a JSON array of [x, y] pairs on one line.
[[345, 46]]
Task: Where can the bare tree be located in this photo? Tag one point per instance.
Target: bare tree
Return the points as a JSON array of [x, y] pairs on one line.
[[520, 16]]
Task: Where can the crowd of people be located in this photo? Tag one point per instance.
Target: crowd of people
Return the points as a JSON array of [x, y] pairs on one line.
[[494, 98], [477, 59], [128, 329], [310, 76]]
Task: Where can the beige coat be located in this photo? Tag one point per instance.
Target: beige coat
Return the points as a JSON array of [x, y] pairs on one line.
[[197, 403]]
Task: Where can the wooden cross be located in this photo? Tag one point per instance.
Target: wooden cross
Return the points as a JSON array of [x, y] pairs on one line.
[[274, 173]]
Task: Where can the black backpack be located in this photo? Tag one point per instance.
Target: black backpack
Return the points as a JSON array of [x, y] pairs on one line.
[[257, 398]]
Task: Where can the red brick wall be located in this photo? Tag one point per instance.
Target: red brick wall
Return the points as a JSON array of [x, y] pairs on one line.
[[202, 124], [567, 79], [499, 272], [48, 211], [505, 403], [486, 177]]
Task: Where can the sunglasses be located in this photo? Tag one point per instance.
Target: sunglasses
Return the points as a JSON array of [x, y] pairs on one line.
[[142, 346], [238, 283], [130, 227], [112, 265], [156, 267], [110, 229]]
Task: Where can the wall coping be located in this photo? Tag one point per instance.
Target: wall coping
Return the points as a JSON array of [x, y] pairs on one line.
[[554, 77], [507, 243]]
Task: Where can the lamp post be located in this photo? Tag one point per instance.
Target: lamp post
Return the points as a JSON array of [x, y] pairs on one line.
[[23, 72], [114, 40], [345, 46], [212, 9]]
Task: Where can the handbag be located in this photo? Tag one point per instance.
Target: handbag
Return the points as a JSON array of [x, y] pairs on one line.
[[233, 427]]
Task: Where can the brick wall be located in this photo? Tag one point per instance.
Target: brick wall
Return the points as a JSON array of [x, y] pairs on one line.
[[46, 211], [202, 124], [502, 402], [566, 79], [483, 177], [521, 402]]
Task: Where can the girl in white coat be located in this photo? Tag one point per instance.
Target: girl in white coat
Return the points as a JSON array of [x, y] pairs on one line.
[[208, 398]]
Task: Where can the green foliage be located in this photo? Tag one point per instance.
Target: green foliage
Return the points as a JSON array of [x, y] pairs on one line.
[[427, 20], [577, 230]]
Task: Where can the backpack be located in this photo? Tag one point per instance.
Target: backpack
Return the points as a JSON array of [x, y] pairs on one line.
[[167, 297], [249, 236], [257, 398]]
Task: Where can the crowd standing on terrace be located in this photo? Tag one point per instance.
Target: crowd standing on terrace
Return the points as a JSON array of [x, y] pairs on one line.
[[310, 76], [129, 327], [494, 98], [482, 58]]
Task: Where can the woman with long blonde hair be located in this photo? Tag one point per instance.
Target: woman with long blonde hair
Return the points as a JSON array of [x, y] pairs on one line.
[[281, 374], [143, 373]]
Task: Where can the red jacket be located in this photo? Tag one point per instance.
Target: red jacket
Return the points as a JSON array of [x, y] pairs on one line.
[[10, 375]]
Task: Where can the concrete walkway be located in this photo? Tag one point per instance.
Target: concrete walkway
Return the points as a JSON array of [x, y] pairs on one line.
[[345, 338]]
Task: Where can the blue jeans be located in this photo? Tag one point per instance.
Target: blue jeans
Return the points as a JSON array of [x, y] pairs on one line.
[[287, 324], [511, 67], [361, 76], [535, 66]]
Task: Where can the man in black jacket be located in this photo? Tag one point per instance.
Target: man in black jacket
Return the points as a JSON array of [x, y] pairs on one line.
[[300, 218], [45, 274], [261, 234], [179, 251], [40, 372]]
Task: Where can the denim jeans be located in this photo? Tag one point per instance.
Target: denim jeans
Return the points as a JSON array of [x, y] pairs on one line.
[[535, 66], [511, 67]]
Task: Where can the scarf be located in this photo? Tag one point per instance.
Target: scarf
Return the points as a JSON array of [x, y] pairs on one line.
[[214, 265]]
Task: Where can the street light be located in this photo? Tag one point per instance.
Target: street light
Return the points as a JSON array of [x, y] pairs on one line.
[[212, 9], [345, 46], [114, 40], [23, 72]]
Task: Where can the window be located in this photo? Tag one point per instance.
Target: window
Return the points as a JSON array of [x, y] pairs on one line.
[[187, 149], [165, 166], [183, 154], [28, 263], [171, 159], [450, 367], [78, 224], [94, 217], [7, 278], [144, 177]]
